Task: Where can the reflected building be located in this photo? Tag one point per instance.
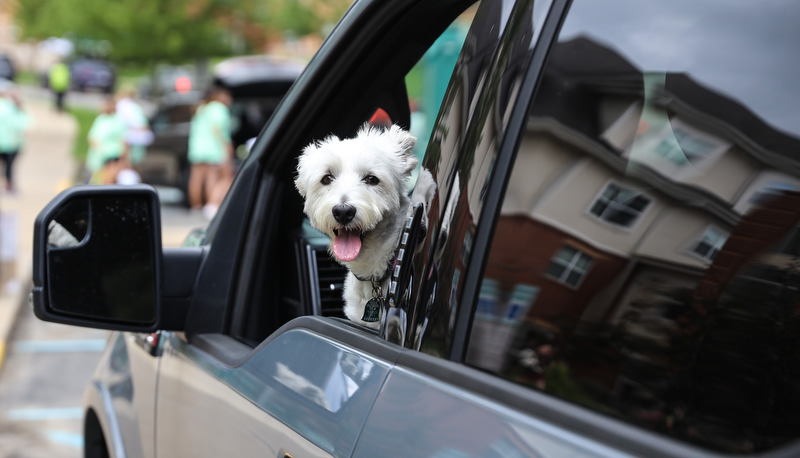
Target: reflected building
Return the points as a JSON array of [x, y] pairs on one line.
[[648, 242]]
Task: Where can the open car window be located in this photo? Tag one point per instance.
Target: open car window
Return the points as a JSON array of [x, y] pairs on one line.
[[308, 281]]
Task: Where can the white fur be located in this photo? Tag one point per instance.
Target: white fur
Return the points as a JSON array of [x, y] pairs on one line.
[[381, 209]]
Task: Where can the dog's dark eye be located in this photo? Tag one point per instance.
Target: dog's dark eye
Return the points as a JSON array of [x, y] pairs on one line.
[[371, 180], [326, 180]]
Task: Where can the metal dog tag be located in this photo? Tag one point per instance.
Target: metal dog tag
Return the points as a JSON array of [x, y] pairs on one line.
[[372, 310]]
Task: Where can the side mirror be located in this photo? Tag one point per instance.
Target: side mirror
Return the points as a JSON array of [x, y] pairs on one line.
[[97, 258]]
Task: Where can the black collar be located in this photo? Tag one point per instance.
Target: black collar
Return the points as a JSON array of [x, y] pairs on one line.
[[383, 277]]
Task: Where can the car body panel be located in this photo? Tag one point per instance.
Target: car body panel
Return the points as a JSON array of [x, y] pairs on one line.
[[255, 407], [123, 395], [449, 421]]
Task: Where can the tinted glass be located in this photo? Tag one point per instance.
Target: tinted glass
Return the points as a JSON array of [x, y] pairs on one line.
[[459, 160], [649, 230]]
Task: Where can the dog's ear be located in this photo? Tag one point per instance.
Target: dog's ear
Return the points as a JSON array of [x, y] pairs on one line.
[[301, 181], [406, 142], [300, 184]]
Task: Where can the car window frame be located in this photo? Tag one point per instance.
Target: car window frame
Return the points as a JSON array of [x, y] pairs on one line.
[[220, 301], [477, 253]]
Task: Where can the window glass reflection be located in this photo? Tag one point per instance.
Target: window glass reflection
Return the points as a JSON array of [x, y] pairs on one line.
[[654, 209]]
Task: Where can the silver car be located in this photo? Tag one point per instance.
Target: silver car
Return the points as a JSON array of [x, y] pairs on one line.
[[608, 265]]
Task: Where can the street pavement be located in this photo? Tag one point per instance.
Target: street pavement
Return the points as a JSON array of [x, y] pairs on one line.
[[43, 168], [43, 366]]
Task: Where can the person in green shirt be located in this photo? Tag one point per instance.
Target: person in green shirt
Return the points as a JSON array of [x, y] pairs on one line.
[[107, 149], [59, 80], [13, 123], [210, 147]]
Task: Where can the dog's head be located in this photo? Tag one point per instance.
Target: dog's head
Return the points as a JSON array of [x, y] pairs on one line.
[[351, 185]]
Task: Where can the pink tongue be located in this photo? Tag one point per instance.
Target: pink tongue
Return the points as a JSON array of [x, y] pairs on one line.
[[347, 245]]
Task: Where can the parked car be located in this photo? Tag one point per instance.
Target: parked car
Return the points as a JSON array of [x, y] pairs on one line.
[[166, 162], [168, 80], [257, 85], [92, 74], [7, 69], [607, 265]]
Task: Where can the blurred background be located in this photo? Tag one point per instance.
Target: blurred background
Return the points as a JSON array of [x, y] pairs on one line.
[[166, 53], [137, 36]]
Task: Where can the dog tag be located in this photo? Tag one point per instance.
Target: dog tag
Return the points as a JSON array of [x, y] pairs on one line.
[[372, 310]]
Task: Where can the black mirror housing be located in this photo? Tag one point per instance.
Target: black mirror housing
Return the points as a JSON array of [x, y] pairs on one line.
[[97, 258]]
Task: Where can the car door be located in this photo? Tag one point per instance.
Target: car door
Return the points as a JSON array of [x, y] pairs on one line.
[[298, 394]]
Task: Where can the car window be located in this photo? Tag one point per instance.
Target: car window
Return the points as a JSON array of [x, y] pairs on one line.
[[170, 116], [463, 146], [428, 81], [406, 98], [645, 261]]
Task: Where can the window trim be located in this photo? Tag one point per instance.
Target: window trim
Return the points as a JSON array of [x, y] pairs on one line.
[[697, 240], [569, 267], [600, 195], [506, 155]]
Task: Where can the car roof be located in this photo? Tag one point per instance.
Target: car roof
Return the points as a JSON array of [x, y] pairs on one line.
[[246, 70]]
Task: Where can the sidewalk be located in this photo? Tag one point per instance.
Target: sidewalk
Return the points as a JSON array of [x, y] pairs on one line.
[[43, 169]]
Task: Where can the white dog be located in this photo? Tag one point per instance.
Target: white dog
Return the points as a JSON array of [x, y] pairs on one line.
[[355, 191]]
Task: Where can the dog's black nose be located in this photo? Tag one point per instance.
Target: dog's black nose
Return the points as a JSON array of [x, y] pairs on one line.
[[343, 214]]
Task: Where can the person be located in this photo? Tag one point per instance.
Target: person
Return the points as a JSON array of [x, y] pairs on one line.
[[13, 123], [59, 79], [139, 134], [107, 150], [210, 149]]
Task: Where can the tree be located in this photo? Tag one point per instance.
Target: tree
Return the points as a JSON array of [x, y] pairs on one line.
[[143, 31], [151, 31]]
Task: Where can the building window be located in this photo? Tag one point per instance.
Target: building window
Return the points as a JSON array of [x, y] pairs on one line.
[[686, 147], [710, 243], [619, 206], [569, 266], [673, 148]]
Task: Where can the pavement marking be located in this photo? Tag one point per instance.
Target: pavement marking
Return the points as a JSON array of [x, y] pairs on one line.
[[59, 346], [56, 436], [66, 438], [64, 413]]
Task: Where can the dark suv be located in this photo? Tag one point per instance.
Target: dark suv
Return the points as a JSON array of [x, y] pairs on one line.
[[92, 74], [256, 83], [609, 263]]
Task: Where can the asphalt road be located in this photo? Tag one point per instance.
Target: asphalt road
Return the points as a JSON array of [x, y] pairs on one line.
[[47, 368]]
